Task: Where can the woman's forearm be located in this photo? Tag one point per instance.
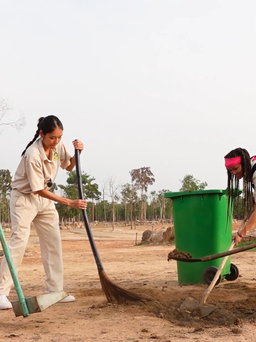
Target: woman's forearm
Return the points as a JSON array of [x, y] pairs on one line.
[[52, 196], [72, 164]]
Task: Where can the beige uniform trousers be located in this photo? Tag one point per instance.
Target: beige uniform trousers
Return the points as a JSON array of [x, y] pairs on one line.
[[41, 211]]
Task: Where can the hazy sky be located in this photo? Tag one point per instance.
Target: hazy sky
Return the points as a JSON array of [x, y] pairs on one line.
[[166, 84]]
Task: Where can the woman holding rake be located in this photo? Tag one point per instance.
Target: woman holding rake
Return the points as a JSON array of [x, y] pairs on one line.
[[240, 165]]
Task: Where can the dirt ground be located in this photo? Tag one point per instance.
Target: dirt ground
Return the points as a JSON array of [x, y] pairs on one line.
[[140, 269]]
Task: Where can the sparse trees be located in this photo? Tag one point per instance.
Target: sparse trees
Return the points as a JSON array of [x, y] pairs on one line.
[[91, 191], [130, 204], [130, 198], [5, 175], [104, 202], [142, 178], [162, 203], [5, 188], [158, 204], [112, 192]]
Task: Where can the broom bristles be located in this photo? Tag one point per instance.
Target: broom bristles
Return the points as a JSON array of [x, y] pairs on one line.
[[115, 293]]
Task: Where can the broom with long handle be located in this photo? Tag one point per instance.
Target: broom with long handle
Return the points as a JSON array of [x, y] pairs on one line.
[[112, 291]]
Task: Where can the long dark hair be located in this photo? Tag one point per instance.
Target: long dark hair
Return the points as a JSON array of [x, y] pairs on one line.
[[233, 182], [46, 125]]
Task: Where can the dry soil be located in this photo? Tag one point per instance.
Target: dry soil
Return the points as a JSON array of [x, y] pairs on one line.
[[140, 269]]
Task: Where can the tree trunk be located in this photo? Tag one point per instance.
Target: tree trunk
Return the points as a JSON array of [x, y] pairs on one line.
[[105, 213], [131, 215], [92, 211], [141, 211], [113, 215], [125, 212]]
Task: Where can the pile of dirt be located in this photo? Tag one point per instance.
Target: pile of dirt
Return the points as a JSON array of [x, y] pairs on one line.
[[179, 254]]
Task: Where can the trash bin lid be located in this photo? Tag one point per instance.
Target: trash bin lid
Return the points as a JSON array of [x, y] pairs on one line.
[[197, 192]]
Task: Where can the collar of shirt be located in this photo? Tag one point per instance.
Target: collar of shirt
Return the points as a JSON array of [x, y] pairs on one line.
[[42, 151]]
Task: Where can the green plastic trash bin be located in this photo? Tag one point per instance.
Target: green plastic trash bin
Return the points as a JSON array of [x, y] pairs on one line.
[[201, 228]]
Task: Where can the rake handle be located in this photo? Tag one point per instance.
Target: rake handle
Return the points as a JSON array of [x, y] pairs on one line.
[[84, 213], [216, 255], [15, 279], [216, 277]]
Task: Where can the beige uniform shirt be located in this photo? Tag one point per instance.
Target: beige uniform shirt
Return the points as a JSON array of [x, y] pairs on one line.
[[35, 170]]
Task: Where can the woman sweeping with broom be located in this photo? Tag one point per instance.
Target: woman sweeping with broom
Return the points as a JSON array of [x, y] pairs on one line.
[[240, 165], [32, 201]]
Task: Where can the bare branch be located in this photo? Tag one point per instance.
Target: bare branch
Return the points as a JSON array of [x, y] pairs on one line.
[[4, 113]]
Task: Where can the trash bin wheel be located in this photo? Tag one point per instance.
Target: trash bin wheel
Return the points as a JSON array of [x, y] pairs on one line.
[[209, 274], [234, 273]]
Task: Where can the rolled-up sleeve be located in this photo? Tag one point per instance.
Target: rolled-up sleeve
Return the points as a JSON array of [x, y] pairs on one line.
[[65, 156]]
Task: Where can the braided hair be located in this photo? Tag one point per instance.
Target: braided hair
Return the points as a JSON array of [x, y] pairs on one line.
[[46, 125], [233, 182]]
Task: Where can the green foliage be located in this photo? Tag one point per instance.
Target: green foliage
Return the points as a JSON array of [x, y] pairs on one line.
[[142, 178], [5, 183], [5, 188], [238, 207], [90, 190], [129, 193], [103, 211], [189, 183], [128, 205], [129, 200], [161, 207]]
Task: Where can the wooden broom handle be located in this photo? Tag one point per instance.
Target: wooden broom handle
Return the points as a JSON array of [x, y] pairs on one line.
[[216, 277]]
